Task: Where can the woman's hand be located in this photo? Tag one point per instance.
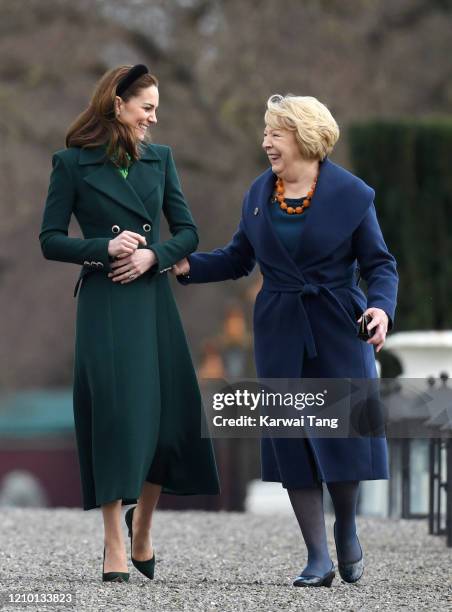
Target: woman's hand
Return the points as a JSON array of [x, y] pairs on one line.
[[129, 268], [181, 267], [380, 322], [125, 244]]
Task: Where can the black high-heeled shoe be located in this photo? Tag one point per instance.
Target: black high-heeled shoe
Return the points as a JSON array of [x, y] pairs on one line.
[[316, 581], [113, 576], [145, 567], [351, 571]]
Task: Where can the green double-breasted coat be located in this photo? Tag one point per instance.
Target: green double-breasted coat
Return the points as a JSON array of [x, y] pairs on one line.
[[137, 405]]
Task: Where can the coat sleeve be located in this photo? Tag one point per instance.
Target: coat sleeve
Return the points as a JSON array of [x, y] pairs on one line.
[[233, 261], [55, 243], [377, 266], [182, 227]]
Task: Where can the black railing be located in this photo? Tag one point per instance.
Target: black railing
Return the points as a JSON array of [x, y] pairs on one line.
[[414, 416]]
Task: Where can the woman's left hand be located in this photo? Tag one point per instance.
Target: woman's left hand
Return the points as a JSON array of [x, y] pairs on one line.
[[380, 322], [130, 268]]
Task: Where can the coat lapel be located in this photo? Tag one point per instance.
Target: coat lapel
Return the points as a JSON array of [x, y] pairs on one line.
[[278, 255], [131, 192], [333, 215]]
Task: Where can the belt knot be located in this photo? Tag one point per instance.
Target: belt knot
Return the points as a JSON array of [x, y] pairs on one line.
[[308, 289]]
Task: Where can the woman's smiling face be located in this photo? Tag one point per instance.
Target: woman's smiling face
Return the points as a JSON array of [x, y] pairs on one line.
[[139, 112], [281, 148]]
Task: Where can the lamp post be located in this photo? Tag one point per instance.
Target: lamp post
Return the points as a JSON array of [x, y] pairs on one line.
[[418, 351], [406, 405]]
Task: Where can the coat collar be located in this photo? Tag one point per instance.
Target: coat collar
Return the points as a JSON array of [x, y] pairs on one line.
[[97, 155], [132, 192], [339, 204]]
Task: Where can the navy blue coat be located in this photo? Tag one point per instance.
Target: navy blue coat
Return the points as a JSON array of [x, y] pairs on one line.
[[305, 315]]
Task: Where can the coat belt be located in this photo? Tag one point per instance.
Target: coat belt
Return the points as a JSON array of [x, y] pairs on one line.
[[85, 271], [300, 290]]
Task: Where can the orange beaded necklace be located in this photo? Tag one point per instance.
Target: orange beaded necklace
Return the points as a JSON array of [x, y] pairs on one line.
[[290, 210]]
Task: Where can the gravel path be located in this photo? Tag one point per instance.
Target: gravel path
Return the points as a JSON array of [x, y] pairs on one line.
[[220, 562]]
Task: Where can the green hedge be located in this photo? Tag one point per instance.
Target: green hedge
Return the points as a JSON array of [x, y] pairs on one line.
[[409, 164]]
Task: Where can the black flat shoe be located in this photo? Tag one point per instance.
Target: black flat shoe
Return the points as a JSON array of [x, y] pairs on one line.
[[316, 581], [351, 571], [113, 576], [145, 567]]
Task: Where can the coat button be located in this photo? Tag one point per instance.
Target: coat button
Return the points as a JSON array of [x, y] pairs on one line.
[[115, 229], [146, 227]]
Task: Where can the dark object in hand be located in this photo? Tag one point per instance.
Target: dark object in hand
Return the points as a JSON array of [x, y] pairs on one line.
[[364, 333]]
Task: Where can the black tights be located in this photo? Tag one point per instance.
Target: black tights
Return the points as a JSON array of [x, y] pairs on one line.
[[307, 504]]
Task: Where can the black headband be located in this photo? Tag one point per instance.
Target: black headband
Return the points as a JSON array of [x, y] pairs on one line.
[[134, 73]]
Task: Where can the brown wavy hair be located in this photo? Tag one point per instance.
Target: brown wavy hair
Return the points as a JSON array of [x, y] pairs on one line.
[[98, 125]]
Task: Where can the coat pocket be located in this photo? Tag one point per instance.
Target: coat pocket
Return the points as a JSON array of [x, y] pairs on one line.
[[355, 306], [350, 306], [84, 272]]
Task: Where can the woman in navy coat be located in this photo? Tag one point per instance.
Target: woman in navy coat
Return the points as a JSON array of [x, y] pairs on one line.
[[309, 223]]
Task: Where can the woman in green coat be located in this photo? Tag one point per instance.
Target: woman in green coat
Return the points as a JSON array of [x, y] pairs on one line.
[[137, 405]]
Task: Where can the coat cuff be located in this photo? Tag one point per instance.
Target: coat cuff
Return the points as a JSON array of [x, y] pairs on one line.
[[98, 256], [157, 267], [197, 273]]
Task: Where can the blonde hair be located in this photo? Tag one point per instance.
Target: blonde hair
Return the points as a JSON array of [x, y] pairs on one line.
[[316, 130]]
